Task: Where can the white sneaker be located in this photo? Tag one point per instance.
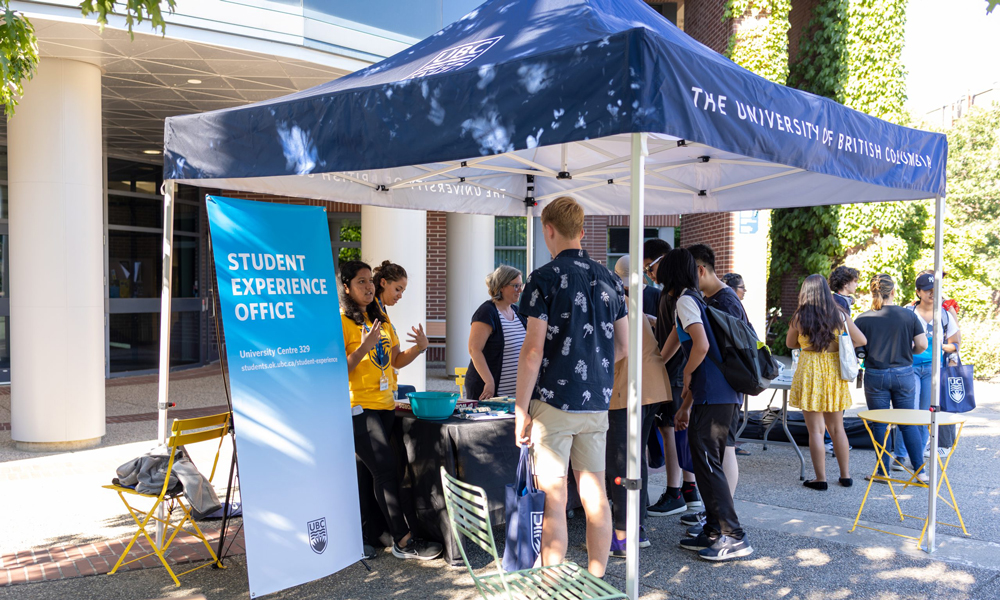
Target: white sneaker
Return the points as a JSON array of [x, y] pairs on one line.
[[829, 448], [942, 452]]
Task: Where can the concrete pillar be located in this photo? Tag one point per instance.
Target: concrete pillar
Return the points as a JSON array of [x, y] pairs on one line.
[[471, 256], [401, 236], [750, 261], [57, 259]]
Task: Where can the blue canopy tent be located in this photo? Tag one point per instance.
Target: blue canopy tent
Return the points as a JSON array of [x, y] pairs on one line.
[[522, 101]]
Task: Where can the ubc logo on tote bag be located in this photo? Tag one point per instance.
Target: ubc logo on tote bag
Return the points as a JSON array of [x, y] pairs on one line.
[[524, 506], [957, 393], [956, 389]]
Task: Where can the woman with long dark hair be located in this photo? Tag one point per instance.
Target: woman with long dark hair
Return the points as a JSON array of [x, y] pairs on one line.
[[390, 283], [817, 388], [894, 336], [372, 352]]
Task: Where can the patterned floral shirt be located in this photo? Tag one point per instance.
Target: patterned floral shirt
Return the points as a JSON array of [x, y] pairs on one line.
[[580, 300]]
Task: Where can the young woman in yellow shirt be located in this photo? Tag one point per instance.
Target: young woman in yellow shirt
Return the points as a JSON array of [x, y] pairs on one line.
[[372, 352]]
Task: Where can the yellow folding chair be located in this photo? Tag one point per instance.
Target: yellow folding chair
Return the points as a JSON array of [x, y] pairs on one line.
[[213, 427], [460, 373]]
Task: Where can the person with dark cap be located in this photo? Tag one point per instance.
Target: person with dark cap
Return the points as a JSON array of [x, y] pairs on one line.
[[924, 309]]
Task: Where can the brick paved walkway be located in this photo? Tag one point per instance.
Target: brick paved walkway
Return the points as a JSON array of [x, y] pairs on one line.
[[67, 562]]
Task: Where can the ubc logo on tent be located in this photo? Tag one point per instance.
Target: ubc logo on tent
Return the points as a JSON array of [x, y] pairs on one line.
[[317, 535], [956, 389], [456, 57]]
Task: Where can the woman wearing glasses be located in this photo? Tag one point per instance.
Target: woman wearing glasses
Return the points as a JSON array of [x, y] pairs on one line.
[[496, 338], [735, 281]]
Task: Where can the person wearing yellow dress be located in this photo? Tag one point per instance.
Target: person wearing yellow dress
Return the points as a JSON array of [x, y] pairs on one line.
[[817, 388]]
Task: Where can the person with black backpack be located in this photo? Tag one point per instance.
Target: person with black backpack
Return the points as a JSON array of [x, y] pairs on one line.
[[721, 296], [709, 403]]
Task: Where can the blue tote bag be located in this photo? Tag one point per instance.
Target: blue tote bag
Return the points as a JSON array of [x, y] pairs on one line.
[[683, 450], [524, 506], [957, 393]]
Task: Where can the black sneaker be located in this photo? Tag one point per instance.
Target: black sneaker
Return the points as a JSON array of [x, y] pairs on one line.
[[694, 530], [697, 544], [691, 498], [693, 519], [666, 506], [418, 549], [369, 552], [726, 548]]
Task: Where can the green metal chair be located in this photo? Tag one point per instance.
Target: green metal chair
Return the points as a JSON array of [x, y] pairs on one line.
[[469, 515]]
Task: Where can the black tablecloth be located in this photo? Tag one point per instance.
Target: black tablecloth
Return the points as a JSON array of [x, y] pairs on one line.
[[481, 453]]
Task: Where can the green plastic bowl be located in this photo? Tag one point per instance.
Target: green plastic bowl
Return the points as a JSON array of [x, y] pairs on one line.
[[432, 406]]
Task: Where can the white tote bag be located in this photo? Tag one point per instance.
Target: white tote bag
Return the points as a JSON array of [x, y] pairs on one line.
[[848, 359]]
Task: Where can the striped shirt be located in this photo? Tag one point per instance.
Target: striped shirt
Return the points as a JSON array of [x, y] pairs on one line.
[[513, 339]]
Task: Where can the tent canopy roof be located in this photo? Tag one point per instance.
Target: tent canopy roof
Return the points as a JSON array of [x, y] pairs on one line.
[[549, 89]]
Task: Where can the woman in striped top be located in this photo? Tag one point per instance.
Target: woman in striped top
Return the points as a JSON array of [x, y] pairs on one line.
[[496, 337]]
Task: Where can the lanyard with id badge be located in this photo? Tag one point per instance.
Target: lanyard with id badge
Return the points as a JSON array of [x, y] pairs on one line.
[[379, 357]]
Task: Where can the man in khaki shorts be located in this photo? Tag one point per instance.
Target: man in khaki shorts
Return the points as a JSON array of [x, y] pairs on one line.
[[577, 326]]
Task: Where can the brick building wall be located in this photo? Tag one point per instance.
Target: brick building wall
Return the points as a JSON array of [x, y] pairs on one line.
[[437, 270], [715, 229], [789, 300], [651, 221], [798, 18], [595, 239], [703, 20]]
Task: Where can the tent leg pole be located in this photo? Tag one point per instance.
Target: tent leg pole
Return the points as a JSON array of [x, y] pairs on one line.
[[529, 264], [931, 466], [635, 314], [165, 295]]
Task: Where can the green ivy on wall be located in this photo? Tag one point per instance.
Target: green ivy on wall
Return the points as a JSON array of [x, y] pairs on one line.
[[850, 52], [760, 40], [875, 78]]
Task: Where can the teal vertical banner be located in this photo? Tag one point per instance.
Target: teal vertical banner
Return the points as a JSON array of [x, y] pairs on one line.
[[288, 375]]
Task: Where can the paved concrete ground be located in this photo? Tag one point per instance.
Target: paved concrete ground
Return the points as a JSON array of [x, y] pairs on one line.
[[802, 548]]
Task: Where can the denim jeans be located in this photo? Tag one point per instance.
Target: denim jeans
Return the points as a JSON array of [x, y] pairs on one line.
[[946, 433], [895, 388]]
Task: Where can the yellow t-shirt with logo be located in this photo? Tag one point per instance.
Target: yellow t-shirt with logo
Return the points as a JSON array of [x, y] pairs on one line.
[[365, 379], [392, 373]]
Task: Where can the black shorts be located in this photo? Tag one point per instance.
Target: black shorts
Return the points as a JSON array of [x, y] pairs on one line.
[[667, 410], [734, 426]]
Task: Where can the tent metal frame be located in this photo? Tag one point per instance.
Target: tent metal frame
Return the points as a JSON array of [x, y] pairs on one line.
[[633, 173]]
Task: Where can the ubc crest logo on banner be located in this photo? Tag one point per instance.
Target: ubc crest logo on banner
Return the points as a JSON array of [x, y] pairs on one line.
[[536, 531], [956, 389], [317, 535], [455, 58]]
